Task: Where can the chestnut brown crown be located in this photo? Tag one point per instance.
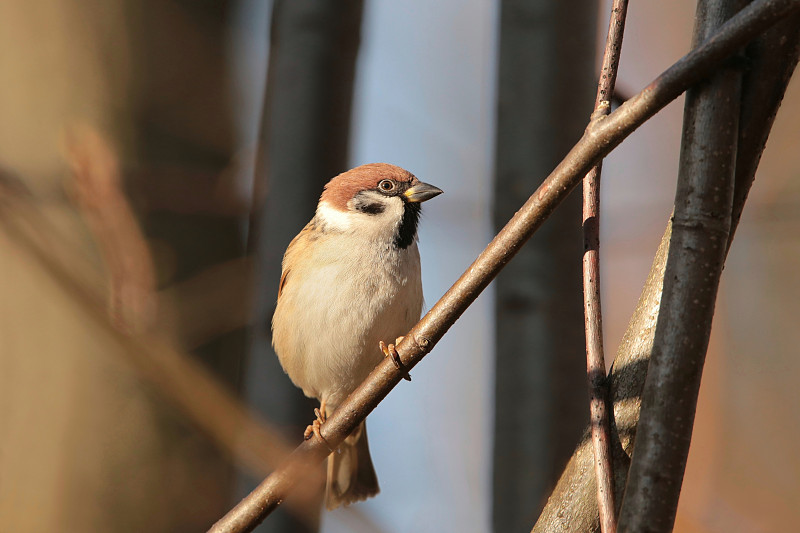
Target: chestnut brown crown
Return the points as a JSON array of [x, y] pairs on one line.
[[344, 187]]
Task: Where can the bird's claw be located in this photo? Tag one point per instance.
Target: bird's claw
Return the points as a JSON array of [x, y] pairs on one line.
[[391, 352], [314, 427]]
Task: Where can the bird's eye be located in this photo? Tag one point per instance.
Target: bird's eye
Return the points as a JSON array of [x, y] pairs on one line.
[[386, 185]]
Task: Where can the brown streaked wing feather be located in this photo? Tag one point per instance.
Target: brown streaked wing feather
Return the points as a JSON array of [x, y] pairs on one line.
[[304, 234], [284, 276]]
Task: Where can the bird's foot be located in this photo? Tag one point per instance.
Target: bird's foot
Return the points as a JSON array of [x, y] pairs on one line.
[[314, 427], [391, 351]]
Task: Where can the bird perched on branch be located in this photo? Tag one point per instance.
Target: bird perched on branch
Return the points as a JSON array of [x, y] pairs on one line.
[[350, 280]]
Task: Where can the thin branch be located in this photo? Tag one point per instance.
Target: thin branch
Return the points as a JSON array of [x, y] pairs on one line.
[[602, 136], [97, 192], [599, 409]]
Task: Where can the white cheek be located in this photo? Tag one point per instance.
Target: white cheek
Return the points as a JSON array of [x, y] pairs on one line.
[[334, 218], [380, 227], [383, 226]]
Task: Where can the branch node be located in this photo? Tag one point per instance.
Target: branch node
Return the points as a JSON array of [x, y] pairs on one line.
[[422, 342], [601, 111]]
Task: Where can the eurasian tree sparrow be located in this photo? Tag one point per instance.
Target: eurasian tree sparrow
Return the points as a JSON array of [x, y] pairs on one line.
[[351, 278]]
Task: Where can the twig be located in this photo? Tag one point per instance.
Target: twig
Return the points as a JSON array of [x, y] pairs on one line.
[[599, 409], [700, 229], [97, 192], [602, 136]]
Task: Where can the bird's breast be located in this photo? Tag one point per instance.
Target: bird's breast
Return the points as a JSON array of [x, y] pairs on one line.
[[337, 306]]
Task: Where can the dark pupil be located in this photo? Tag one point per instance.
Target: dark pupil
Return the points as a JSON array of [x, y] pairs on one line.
[[386, 185]]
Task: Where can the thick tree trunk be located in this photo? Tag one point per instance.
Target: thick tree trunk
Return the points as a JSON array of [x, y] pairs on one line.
[[181, 118], [701, 225], [546, 91], [304, 138]]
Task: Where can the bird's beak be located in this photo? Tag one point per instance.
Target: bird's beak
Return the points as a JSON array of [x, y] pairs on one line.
[[421, 192]]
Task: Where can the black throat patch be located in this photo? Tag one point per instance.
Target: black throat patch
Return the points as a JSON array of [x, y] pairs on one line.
[[407, 231]]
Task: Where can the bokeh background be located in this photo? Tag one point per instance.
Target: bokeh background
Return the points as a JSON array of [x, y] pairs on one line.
[[160, 154]]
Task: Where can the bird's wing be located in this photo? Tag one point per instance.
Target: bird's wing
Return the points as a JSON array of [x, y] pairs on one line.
[[284, 276], [298, 244]]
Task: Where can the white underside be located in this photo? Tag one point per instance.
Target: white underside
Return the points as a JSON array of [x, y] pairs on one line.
[[345, 292]]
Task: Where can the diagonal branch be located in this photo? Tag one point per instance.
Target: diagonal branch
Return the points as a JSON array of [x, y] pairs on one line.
[[602, 136], [97, 192], [771, 60], [599, 409]]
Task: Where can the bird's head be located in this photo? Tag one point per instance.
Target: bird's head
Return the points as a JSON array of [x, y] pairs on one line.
[[379, 201]]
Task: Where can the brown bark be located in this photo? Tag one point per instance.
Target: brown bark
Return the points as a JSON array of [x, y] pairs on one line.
[[701, 225], [771, 58], [599, 401]]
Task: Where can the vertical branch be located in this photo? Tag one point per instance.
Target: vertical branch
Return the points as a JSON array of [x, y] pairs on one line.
[[700, 230], [599, 409]]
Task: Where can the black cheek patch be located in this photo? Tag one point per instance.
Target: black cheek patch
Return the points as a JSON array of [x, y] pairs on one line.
[[369, 207]]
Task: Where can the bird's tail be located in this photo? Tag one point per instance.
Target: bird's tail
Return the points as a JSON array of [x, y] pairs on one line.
[[351, 476]]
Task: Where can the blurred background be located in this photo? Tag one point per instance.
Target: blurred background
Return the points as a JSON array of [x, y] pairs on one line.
[[156, 157]]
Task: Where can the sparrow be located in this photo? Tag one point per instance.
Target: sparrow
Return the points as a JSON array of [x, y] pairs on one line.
[[350, 279]]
